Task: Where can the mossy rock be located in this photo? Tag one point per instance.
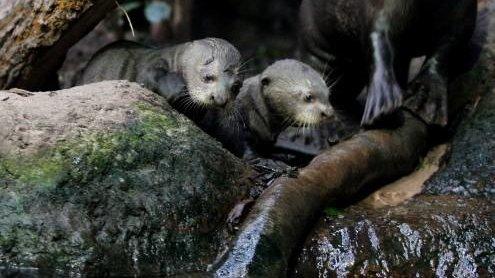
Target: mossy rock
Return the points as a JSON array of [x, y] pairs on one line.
[[106, 179]]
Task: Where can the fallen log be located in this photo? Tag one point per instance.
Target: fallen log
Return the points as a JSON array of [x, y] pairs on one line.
[[285, 211], [35, 36]]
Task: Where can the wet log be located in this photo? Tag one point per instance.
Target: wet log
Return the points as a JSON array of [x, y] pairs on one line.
[[285, 211], [35, 36]]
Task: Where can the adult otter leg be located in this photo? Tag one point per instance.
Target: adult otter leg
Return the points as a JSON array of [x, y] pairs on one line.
[[429, 92], [455, 29], [384, 93], [429, 88]]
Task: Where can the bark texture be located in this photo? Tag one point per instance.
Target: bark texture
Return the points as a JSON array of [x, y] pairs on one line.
[[36, 34]]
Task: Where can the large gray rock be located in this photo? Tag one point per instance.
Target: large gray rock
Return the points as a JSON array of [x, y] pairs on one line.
[[106, 179]]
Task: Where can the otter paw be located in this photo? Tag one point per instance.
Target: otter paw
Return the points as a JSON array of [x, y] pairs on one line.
[[271, 169], [429, 100], [239, 212], [384, 97]]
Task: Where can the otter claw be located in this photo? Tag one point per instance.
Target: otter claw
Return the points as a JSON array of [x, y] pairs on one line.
[[383, 98], [238, 212]]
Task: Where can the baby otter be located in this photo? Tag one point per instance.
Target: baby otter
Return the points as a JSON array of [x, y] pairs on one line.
[[287, 93], [191, 76]]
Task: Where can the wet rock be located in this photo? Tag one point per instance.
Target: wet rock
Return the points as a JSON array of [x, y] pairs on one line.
[[437, 234], [443, 236], [106, 179], [471, 167]]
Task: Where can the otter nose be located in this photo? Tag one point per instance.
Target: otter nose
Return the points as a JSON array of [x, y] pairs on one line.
[[325, 114], [219, 100]]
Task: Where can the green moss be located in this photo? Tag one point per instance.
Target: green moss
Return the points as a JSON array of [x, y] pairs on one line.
[[333, 212], [153, 116], [19, 238], [42, 169], [80, 159]]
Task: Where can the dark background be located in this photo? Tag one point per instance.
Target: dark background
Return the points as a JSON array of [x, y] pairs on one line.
[[264, 31]]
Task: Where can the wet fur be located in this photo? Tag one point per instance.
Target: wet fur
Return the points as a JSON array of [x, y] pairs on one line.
[[371, 43], [169, 71], [265, 106]]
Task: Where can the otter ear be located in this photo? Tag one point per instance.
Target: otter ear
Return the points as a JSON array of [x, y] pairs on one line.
[[265, 81], [157, 70]]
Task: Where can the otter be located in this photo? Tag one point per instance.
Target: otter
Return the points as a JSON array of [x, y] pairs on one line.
[[193, 76], [370, 44], [287, 93]]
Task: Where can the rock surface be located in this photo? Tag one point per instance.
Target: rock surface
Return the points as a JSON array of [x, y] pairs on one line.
[[471, 168], [446, 236], [106, 179], [449, 231]]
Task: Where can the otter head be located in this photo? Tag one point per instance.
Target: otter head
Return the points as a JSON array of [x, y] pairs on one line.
[[296, 93], [210, 68]]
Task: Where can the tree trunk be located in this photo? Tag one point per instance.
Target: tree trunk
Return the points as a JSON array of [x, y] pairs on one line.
[[35, 36]]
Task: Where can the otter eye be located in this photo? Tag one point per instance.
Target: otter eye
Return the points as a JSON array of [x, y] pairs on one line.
[[308, 98], [265, 81], [209, 78], [209, 61]]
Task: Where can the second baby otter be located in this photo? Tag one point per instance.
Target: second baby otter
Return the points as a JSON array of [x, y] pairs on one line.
[[286, 93], [191, 76]]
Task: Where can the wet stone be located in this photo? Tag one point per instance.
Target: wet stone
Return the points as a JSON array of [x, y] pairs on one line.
[[135, 190], [470, 170], [442, 236]]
